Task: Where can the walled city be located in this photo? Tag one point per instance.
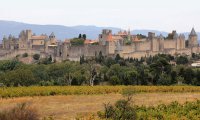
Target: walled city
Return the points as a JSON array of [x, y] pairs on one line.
[[123, 43]]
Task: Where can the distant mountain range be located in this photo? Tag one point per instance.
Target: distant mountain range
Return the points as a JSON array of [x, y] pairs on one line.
[[62, 32]]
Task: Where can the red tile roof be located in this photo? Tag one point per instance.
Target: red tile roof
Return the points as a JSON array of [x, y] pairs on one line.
[[90, 41]]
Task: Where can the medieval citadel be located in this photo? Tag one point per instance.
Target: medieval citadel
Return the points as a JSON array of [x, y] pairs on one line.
[[122, 43]]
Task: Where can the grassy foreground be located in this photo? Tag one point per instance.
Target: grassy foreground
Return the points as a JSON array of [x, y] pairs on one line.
[[7, 92], [85, 106]]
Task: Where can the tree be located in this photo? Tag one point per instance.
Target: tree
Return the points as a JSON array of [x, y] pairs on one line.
[[25, 55], [100, 57], [104, 71], [117, 58], [164, 79], [20, 77], [173, 77], [9, 65], [36, 56], [50, 59], [132, 77], [82, 59], [109, 61], [197, 82], [93, 71], [46, 61], [142, 74], [114, 80], [93, 75], [80, 36], [188, 76], [193, 55], [182, 60], [84, 36], [78, 78], [56, 71], [160, 66]]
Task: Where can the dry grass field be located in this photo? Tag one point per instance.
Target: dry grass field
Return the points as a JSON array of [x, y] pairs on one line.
[[68, 107]]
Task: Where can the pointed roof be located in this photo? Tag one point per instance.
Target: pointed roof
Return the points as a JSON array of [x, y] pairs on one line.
[[193, 33], [10, 36], [175, 35], [4, 37], [182, 36], [52, 34], [161, 36]]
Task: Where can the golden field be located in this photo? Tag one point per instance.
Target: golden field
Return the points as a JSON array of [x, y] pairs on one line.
[[69, 107], [69, 102]]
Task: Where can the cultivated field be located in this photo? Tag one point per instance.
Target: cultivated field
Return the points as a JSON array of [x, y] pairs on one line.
[[70, 102], [9, 92]]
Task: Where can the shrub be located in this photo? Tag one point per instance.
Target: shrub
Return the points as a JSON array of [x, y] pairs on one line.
[[115, 80], [122, 110], [17, 56], [36, 56], [25, 55], [22, 111]]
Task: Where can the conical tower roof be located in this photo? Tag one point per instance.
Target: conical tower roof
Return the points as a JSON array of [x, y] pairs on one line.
[[161, 36], [52, 34], [193, 33]]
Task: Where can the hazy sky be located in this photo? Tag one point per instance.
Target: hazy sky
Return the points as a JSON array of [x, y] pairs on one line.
[[164, 15]]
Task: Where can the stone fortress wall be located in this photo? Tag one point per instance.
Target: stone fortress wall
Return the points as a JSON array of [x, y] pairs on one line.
[[75, 52], [109, 44], [152, 45]]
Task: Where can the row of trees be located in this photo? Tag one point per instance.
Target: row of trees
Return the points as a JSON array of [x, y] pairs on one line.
[[155, 70]]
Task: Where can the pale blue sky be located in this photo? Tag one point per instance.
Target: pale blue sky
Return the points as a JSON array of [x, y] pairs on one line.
[[164, 15]]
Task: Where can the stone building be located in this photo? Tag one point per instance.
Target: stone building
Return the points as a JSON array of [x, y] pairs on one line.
[[29, 41]]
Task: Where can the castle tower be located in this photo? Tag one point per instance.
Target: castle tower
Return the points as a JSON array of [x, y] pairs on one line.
[[28, 37], [46, 45], [105, 36], [178, 41], [161, 42], [4, 41], [182, 41], [65, 49], [129, 34], [52, 38], [154, 42], [193, 42], [28, 34], [24, 39]]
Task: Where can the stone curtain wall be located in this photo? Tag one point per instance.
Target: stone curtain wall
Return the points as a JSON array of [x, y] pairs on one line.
[[6, 55], [86, 50], [143, 46], [168, 44]]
